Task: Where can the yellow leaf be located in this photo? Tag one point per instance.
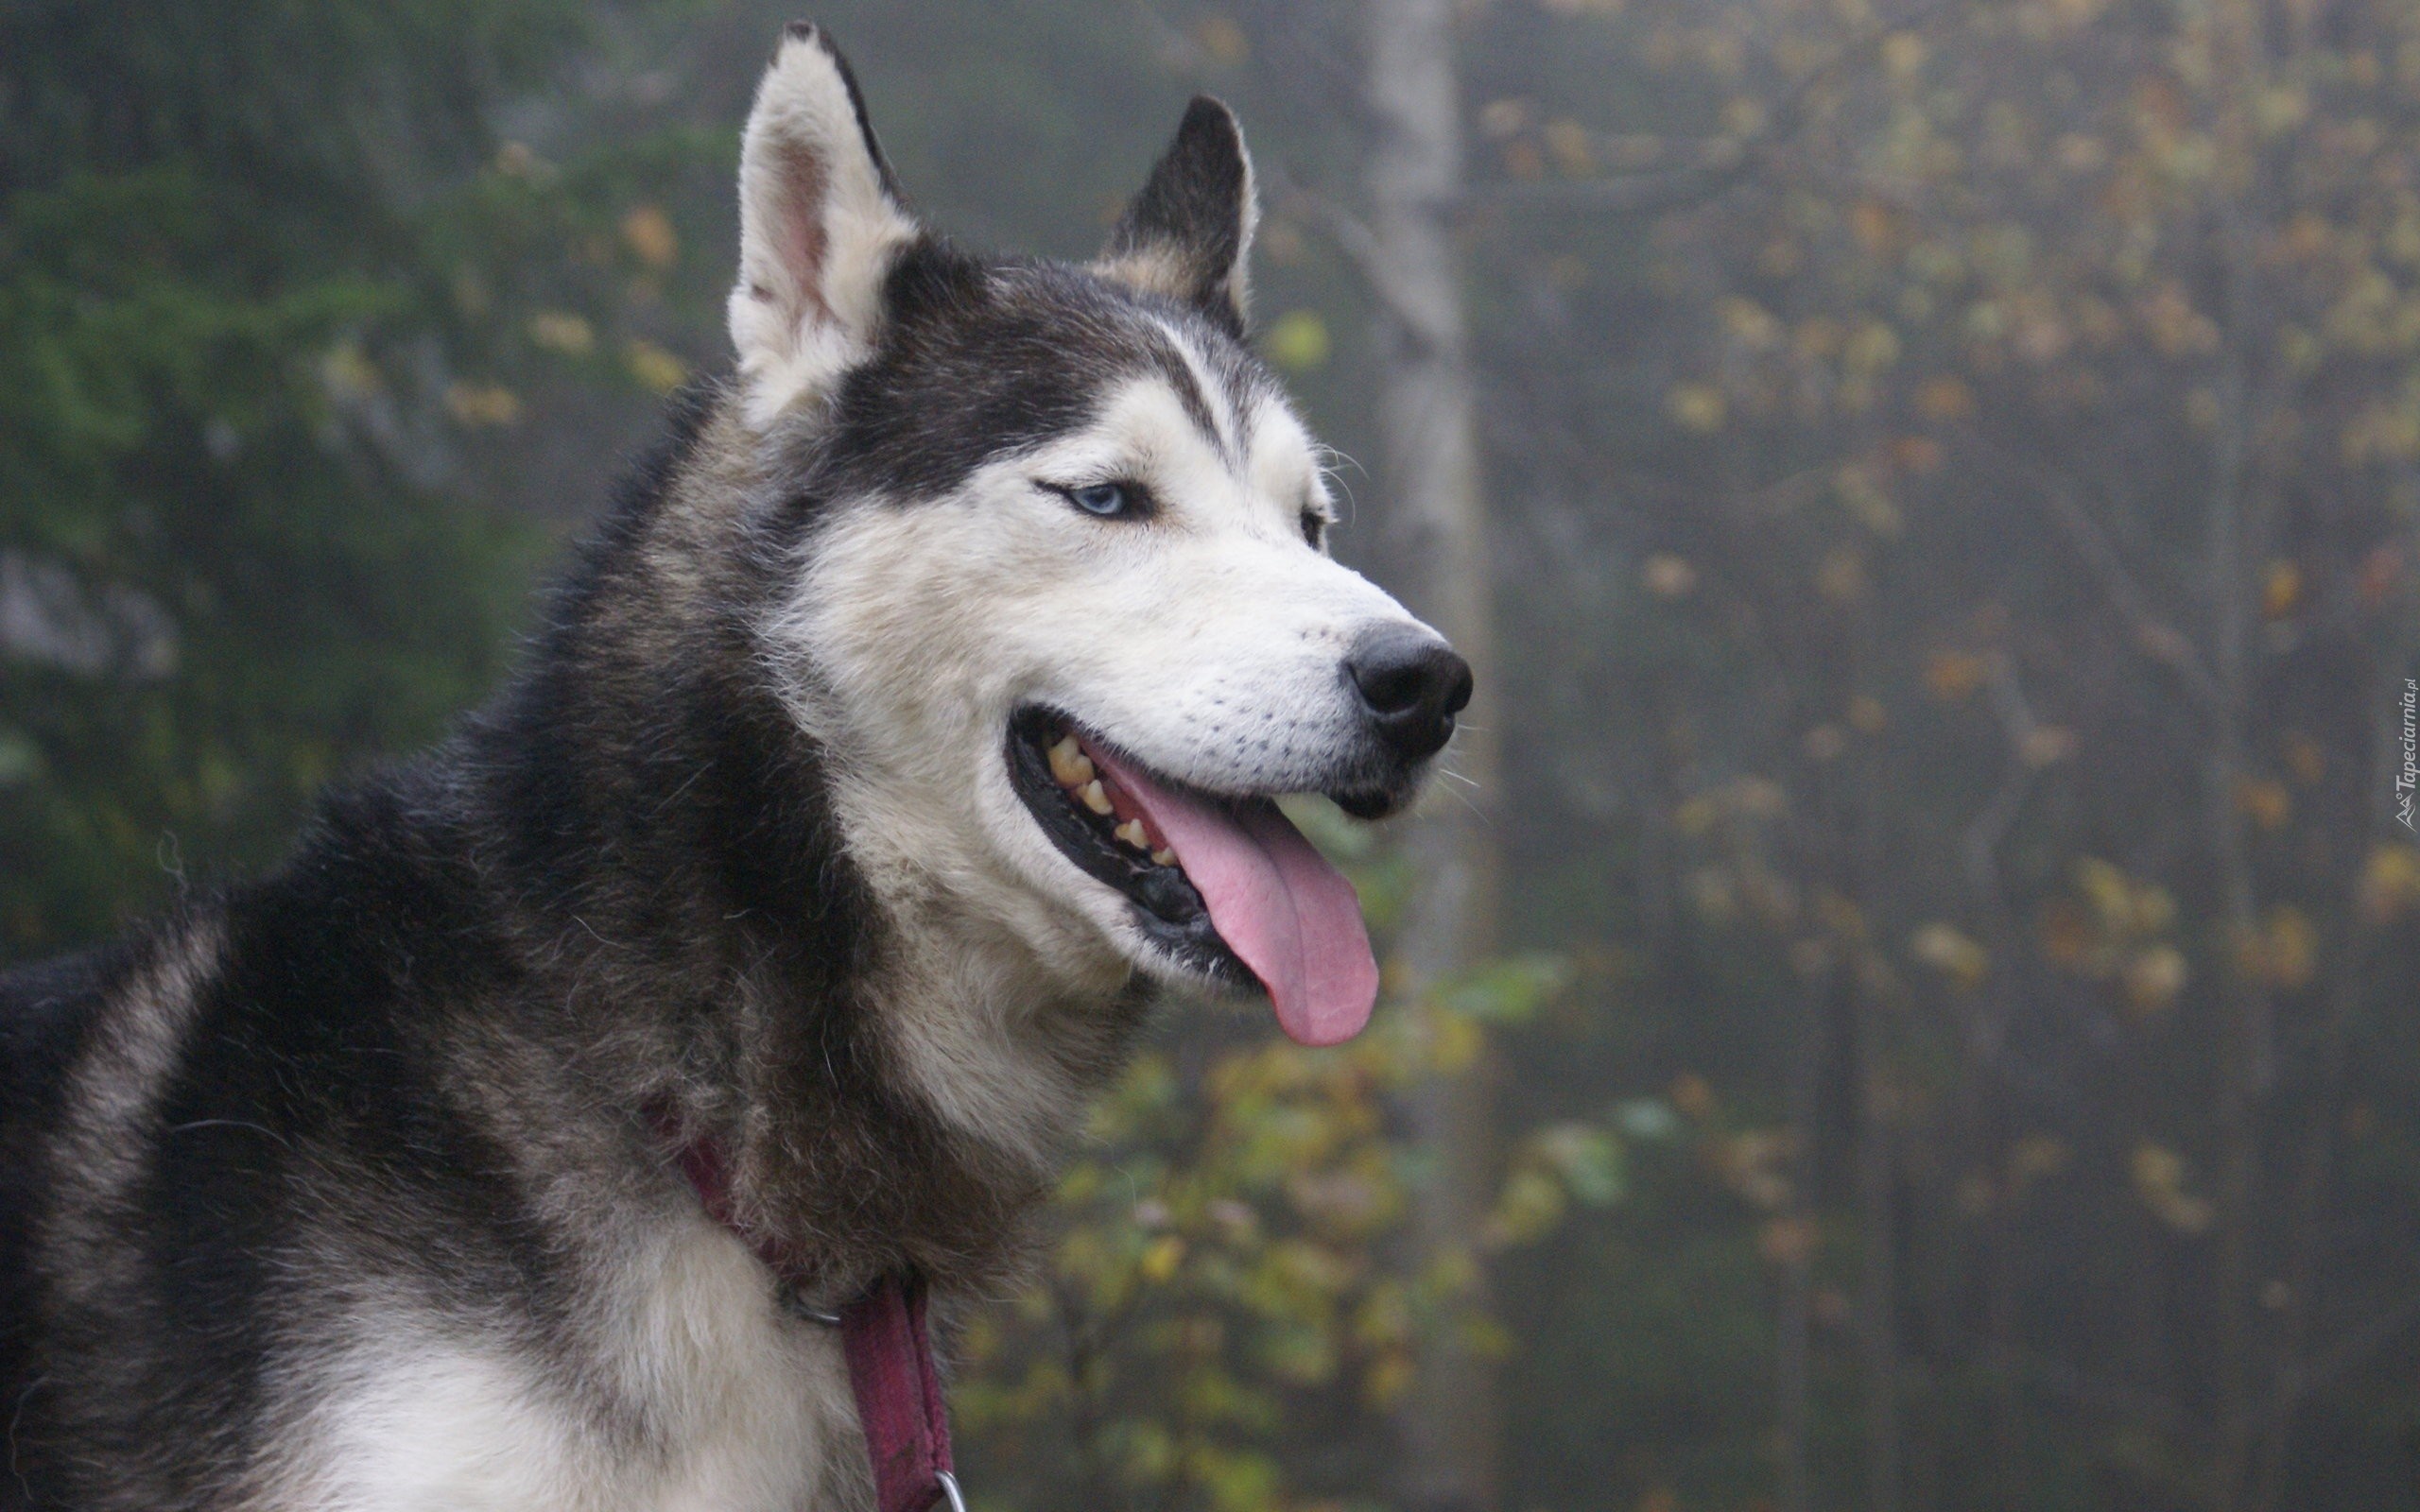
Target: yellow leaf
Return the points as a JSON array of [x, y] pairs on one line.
[[1751, 324], [1297, 341], [1568, 142], [2391, 883], [1698, 407], [1456, 1045], [1388, 1377], [1841, 576], [349, 373], [1224, 40], [1840, 914], [1917, 454], [2281, 589], [2153, 977], [1957, 956], [1503, 118], [1668, 577], [1944, 398], [1698, 814], [1875, 226], [2106, 888], [482, 405], [1786, 1241], [1874, 347], [2046, 745], [2286, 953], [515, 161], [2157, 1168], [2066, 935], [560, 330], [1711, 893], [2305, 758], [2079, 153], [1528, 1208], [1161, 1259], [1867, 502], [2266, 800], [654, 367], [2159, 1179], [1950, 676], [648, 233], [2036, 1156]]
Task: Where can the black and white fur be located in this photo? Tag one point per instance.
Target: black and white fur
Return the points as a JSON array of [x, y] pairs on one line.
[[350, 1188]]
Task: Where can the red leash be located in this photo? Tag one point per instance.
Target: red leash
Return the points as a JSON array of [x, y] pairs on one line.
[[891, 1371], [899, 1397]]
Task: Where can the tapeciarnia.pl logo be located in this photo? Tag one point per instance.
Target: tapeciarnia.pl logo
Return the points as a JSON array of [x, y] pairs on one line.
[[2406, 779]]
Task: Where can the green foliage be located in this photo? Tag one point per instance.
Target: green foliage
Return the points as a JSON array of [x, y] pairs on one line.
[[1229, 1289], [235, 539]]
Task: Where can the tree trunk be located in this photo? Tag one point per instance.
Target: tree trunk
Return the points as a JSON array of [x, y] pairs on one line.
[[1437, 544]]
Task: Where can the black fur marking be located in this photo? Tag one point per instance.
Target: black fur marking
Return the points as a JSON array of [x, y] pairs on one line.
[[807, 31], [982, 361], [46, 1012], [1197, 405]]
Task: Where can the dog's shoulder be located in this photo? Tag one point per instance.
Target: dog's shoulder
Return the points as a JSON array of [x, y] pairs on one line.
[[82, 1033], [46, 1007], [46, 1011], [84, 1039]]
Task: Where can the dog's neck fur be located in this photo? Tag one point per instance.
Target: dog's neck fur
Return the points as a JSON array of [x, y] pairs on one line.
[[696, 923]]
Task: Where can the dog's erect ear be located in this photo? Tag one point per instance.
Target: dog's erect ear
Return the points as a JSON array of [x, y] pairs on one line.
[[819, 223], [1189, 232]]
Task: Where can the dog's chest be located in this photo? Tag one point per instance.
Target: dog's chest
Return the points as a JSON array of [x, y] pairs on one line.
[[698, 1395]]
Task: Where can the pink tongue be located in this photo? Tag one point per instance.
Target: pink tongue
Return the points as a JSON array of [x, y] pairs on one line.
[[1275, 900]]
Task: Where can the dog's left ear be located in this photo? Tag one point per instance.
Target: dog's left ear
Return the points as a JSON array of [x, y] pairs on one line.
[[1188, 233], [819, 222]]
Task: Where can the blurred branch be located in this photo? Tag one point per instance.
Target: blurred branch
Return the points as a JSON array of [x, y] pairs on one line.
[[1982, 841], [2060, 1379], [2348, 1355], [1083, 1337], [2294, 1378], [1349, 234], [1656, 194], [1639, 194], [2156, 638], [1625, 194]]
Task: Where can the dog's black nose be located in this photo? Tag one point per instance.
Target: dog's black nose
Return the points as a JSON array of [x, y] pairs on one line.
[[1414, 685]]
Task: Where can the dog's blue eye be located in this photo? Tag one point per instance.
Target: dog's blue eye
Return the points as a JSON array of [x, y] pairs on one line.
[[1100, 498]]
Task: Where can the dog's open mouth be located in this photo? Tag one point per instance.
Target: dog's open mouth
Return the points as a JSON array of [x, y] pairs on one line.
[[1227, 886]]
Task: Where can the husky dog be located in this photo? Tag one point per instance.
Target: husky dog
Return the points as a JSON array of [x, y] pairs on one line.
[[908, 724]]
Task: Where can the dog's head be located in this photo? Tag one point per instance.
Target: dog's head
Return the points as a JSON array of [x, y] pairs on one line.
[[1064, 614]]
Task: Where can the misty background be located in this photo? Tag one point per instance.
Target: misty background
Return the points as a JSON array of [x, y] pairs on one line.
[[1909, 996]]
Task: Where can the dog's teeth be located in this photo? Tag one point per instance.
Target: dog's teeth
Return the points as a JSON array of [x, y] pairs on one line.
[[1132, 833], [1094, 796], [1069, 764], [1163, 857]]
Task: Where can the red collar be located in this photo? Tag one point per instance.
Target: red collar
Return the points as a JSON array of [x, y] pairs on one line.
[[892, 1371]]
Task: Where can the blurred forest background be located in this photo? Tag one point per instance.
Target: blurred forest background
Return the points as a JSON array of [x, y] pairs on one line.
[[1917, 1004]]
